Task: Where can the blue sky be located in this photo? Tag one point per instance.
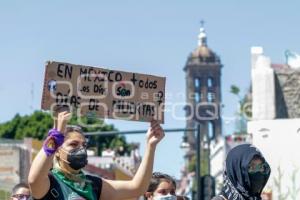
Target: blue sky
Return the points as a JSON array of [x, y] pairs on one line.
[[153, 37]]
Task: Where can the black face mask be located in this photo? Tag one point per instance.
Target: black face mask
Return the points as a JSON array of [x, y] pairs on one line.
[[257, 182], [77, 158]]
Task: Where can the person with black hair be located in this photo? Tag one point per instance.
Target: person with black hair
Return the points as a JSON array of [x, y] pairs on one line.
[[182, 198], [162, 187], [65, 179], [20, 192], [246, 174]]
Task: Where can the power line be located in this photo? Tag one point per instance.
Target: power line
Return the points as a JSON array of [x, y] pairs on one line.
[[134, 132]]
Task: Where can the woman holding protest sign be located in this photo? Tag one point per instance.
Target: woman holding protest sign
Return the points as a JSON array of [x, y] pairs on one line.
[[65, 180]]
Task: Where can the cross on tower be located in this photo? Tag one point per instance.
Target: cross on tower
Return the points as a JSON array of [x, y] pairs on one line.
[[202, 23]]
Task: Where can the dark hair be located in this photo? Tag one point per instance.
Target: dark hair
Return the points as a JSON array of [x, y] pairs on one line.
[[74, 128], [18, 186], [157, 178], [182, 198], [70, 128]]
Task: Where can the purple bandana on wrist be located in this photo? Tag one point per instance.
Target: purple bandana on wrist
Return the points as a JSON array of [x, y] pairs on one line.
[[54, 140]]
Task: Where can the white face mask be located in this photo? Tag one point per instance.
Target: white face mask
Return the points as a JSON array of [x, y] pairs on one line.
[[165, 197]]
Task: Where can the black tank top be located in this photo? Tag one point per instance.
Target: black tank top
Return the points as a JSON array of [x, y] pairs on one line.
[[60, 191]]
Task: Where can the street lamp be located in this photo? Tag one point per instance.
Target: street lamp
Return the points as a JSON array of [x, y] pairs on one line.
[[184, 144]]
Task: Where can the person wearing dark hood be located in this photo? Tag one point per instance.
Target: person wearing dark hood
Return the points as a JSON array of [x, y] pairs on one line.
[[246, 174]]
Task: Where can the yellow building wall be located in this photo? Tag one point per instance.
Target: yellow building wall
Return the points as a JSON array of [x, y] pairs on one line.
[[36, 147]]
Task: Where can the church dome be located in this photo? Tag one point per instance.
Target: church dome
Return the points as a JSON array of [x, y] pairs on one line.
[[202, 52]]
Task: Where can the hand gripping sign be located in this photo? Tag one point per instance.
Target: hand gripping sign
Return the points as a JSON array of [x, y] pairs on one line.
[[103, 92]]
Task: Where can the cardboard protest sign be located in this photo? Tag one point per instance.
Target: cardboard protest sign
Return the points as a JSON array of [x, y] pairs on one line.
[[103, 92]]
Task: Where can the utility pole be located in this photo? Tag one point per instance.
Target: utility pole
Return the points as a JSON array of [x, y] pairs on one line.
[[198, 164]]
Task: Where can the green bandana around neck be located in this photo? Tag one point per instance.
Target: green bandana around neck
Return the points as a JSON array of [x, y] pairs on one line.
[[83, 189]]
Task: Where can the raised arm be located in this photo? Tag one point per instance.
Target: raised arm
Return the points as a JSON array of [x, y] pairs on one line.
[[38, 175], [117, 190]]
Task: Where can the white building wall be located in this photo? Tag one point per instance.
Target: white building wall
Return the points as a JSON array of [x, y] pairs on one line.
[[279, 142], [263, 86], [217, 157]]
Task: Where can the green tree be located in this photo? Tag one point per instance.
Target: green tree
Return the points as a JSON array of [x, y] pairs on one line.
[[37, 124], [243, 111], [4, 194], [235, 90], [204, 160], [203, 163]]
